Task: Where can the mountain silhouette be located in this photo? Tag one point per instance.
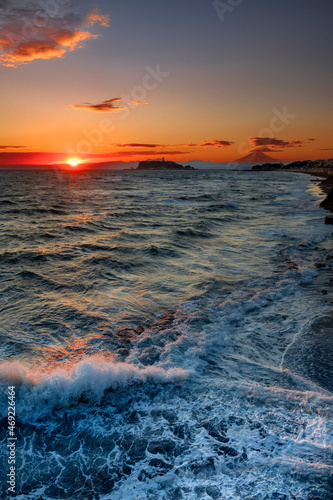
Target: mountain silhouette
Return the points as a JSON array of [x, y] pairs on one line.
[[257, 157]]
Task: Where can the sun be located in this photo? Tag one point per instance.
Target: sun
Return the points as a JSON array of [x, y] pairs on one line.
[[73, 162]]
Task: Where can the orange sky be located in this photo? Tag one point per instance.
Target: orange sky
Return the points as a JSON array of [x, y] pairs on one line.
[[109, 81]]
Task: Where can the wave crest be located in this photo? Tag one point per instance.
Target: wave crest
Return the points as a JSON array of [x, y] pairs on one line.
[[89, 378]]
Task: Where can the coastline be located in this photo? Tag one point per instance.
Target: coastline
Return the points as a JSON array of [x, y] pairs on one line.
[[326, 185]]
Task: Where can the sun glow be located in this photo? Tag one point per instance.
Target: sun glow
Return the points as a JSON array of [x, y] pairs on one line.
[[74, 162]]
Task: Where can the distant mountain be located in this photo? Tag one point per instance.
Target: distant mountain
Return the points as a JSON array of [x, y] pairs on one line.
[[256, 158]]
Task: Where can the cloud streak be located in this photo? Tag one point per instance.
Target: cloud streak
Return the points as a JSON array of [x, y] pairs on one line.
[[29, 33], [149, 153], [259, 142], [107, 106], [2, 148], [139, 145], [216, 144], [137, 103]]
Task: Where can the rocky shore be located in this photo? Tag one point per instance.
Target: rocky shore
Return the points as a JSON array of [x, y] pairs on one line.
[[321, 168], [327, 187], [318, 168], [327, 184]]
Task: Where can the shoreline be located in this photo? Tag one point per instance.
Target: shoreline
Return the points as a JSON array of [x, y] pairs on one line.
[[324, 188], [325, 185]]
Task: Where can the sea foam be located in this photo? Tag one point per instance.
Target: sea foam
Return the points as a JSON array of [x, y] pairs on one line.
[[88, 378]]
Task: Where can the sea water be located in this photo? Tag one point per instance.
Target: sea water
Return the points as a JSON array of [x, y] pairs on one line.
[[168, 335]]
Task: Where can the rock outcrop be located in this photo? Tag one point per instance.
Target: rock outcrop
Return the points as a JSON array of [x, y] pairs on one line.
[[327, 184], [162, 165], [328, 202]]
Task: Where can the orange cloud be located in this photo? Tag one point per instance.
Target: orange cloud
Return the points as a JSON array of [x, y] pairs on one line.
[[139, 145], [12, 147], [70, 39], [95, 17], [216, 144], [105, 106], [28, 52], [27, 34], [137, 103], [150, 153], [260, 142]]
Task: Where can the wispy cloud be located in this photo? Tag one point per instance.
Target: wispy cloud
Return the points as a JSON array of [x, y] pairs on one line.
[[108, 105], [216, 144], [11, 147], [104, 106], [95, 17], [150, 153], [139, 145], [137, 103], [259, 142], [29, 31]]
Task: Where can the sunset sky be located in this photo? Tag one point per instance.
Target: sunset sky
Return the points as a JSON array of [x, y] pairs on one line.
[[187, 80]]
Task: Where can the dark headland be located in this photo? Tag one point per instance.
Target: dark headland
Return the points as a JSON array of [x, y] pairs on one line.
[[162, 165]]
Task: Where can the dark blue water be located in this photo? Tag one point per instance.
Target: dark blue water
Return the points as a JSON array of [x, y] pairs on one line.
[[168, 335]]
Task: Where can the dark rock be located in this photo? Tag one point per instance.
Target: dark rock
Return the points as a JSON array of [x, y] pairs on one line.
[[162, 165], [327, 184], [328, 203], [329, 220]]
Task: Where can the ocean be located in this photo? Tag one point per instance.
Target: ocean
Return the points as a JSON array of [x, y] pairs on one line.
[[165, 335]]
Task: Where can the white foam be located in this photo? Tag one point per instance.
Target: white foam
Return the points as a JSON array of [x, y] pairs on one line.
[[90, 377]]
